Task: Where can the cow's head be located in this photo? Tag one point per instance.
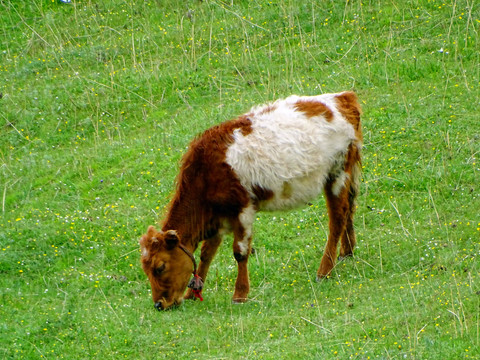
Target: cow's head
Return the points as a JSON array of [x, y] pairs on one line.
[[168, 267]]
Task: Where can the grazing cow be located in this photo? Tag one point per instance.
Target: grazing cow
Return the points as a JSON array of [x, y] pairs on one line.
[[277, 156]]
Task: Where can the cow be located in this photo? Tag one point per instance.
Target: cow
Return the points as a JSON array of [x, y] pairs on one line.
[[277, 156]]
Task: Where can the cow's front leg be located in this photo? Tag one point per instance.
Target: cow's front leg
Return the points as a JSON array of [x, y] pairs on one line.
[[242, 232], [242, 285], [209, 249]]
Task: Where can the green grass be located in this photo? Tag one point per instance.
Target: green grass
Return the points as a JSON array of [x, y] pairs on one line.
[[99, 101]]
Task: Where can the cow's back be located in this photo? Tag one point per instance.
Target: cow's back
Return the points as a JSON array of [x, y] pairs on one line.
[[293, 145]]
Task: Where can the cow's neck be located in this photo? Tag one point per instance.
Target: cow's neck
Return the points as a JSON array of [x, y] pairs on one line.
[[187, 221]]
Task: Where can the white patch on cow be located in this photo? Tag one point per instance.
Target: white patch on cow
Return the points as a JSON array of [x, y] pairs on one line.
[[144, 252], [339, 183], [286, 146], [246, 217], [243, 246]]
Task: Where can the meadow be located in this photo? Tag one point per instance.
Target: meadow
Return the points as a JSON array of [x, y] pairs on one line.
[[98, 102]]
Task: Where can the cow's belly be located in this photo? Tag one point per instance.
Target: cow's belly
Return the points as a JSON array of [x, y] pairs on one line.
[[294, 193]]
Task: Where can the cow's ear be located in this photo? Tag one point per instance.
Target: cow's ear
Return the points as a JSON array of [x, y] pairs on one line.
[[151, 232], [171, 239], [149, 239]]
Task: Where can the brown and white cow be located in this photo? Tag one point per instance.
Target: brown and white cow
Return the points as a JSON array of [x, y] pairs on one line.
[[276, 156]]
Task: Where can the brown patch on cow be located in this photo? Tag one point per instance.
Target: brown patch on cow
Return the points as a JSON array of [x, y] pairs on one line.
[[262, 194], [286, 190], [349, 107], [207, 187], [314, 108], [245, 124], [268, 109]]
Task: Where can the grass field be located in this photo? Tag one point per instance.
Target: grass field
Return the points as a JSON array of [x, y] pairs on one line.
[[99, 100]]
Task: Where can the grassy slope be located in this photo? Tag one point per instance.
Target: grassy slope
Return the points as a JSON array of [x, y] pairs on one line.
[[100, 100]]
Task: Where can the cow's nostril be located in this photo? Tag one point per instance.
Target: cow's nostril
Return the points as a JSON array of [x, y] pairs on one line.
[[158, 306]]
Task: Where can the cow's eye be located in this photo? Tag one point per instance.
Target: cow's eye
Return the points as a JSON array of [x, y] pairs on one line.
[[159, 269]]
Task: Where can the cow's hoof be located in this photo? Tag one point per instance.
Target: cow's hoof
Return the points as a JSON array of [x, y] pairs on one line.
[[239, 301], [320, 278], [345, 256]]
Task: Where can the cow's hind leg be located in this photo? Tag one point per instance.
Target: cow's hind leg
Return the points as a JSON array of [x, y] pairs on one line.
[[209, 249], [242, 232], [352, 168], [348, 241], [348, 237], [337, 204], [340, 192]]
